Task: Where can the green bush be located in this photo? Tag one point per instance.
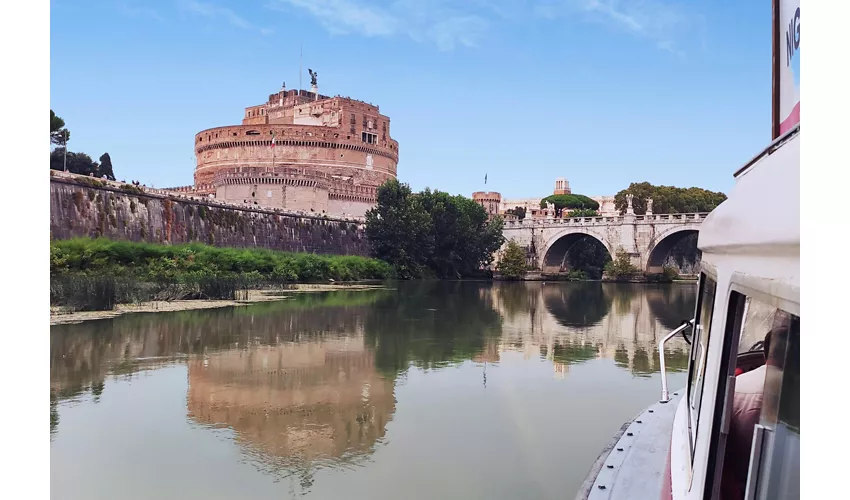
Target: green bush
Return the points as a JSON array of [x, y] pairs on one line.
[[512, 263], [577, 275], [621, 267], [671, 272]]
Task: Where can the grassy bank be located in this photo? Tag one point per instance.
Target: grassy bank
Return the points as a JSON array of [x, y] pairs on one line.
[[97, 274]]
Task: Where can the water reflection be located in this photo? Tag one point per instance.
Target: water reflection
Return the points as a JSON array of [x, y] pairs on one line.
[[296, 405], [585, 321], [311, 384]]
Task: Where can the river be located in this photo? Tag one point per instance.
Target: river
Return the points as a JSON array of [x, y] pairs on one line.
[[425, 390]]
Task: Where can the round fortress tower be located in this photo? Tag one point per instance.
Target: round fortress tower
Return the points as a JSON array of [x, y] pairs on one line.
[[491, 201], [299, 150]]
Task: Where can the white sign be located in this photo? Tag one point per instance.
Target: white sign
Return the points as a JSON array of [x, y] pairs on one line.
[[789, 64]]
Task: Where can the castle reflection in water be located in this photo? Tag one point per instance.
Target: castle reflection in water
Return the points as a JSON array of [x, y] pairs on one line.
[[311, 380]]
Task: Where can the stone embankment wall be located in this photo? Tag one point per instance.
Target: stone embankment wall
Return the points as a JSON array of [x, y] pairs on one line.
[[86, 207]]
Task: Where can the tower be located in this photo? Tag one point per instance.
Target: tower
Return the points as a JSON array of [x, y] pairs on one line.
[[562, 186]]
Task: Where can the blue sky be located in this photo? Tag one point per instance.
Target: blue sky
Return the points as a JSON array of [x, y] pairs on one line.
[[602, 92]]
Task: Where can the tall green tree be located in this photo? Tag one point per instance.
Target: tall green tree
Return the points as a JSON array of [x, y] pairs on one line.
[[106, 166], [462, 238], [668, 199], [431, 233], [58, 133], [399, 230]]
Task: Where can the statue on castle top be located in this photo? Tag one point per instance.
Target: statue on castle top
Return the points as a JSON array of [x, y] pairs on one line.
[[313, 76]]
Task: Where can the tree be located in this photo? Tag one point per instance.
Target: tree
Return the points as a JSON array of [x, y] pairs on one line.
[[78, 163], [463, 239], [58, 133], [518, 211], [589, 256], [399, 230], [621, 266], [512, 263], [570, 201], [668, 199], [431, 233], [106, 166]]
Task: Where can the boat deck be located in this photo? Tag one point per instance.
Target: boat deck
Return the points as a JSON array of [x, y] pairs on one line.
[[632, 465]]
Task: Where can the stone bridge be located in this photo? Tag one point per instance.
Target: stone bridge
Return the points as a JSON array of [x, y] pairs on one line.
[[647, 239]]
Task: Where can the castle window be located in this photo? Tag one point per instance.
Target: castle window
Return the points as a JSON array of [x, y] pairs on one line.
[[369, 138]]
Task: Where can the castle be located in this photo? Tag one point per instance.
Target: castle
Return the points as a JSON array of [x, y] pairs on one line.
[[299, 151], [495, 205]]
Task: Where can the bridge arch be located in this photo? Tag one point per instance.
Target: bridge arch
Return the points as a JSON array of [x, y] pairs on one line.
[[660, 246], [555, 251]]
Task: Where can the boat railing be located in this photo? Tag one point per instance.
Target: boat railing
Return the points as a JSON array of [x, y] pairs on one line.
[[665, 393]]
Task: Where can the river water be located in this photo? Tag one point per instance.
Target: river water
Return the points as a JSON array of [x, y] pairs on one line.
[[427, 390]]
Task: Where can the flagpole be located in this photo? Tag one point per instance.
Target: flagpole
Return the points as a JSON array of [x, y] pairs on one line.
[[300, 60]]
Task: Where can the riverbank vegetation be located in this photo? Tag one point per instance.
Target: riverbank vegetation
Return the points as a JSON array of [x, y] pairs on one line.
[[97, 274], [512, 262], [431, 234]]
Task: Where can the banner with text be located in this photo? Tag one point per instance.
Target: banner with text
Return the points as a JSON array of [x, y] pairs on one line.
[[789, 64]]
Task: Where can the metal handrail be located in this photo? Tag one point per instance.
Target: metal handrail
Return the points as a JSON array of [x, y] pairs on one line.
[[665, 394]]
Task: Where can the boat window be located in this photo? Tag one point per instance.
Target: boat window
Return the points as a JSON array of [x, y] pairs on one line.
[[699, 351], [777, 460], [758, 450]]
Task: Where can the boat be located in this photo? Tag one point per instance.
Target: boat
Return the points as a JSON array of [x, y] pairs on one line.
[[733, 432]]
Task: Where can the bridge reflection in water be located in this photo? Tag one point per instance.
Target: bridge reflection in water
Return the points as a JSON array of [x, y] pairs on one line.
[[569, 323], [310, 383]]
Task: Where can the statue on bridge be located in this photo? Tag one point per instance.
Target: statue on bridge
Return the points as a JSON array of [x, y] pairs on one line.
[[649, 206], [629, 198]]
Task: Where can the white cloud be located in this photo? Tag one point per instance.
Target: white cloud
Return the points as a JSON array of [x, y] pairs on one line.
[[457, 30], [464, 23], [660, 21], [138, 11], [210, 11], [446, 23]]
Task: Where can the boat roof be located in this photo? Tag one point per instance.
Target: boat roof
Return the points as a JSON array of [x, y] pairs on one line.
[[756, 231]]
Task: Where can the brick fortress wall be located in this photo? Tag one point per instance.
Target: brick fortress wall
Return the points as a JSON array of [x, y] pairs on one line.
[[85, 207]]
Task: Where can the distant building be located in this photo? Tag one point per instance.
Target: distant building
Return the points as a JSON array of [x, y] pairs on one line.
[[532, 205], [490, 201], [562, 186], [299, 151]]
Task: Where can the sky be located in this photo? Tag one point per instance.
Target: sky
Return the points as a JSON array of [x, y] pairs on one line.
[[601, 92]]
